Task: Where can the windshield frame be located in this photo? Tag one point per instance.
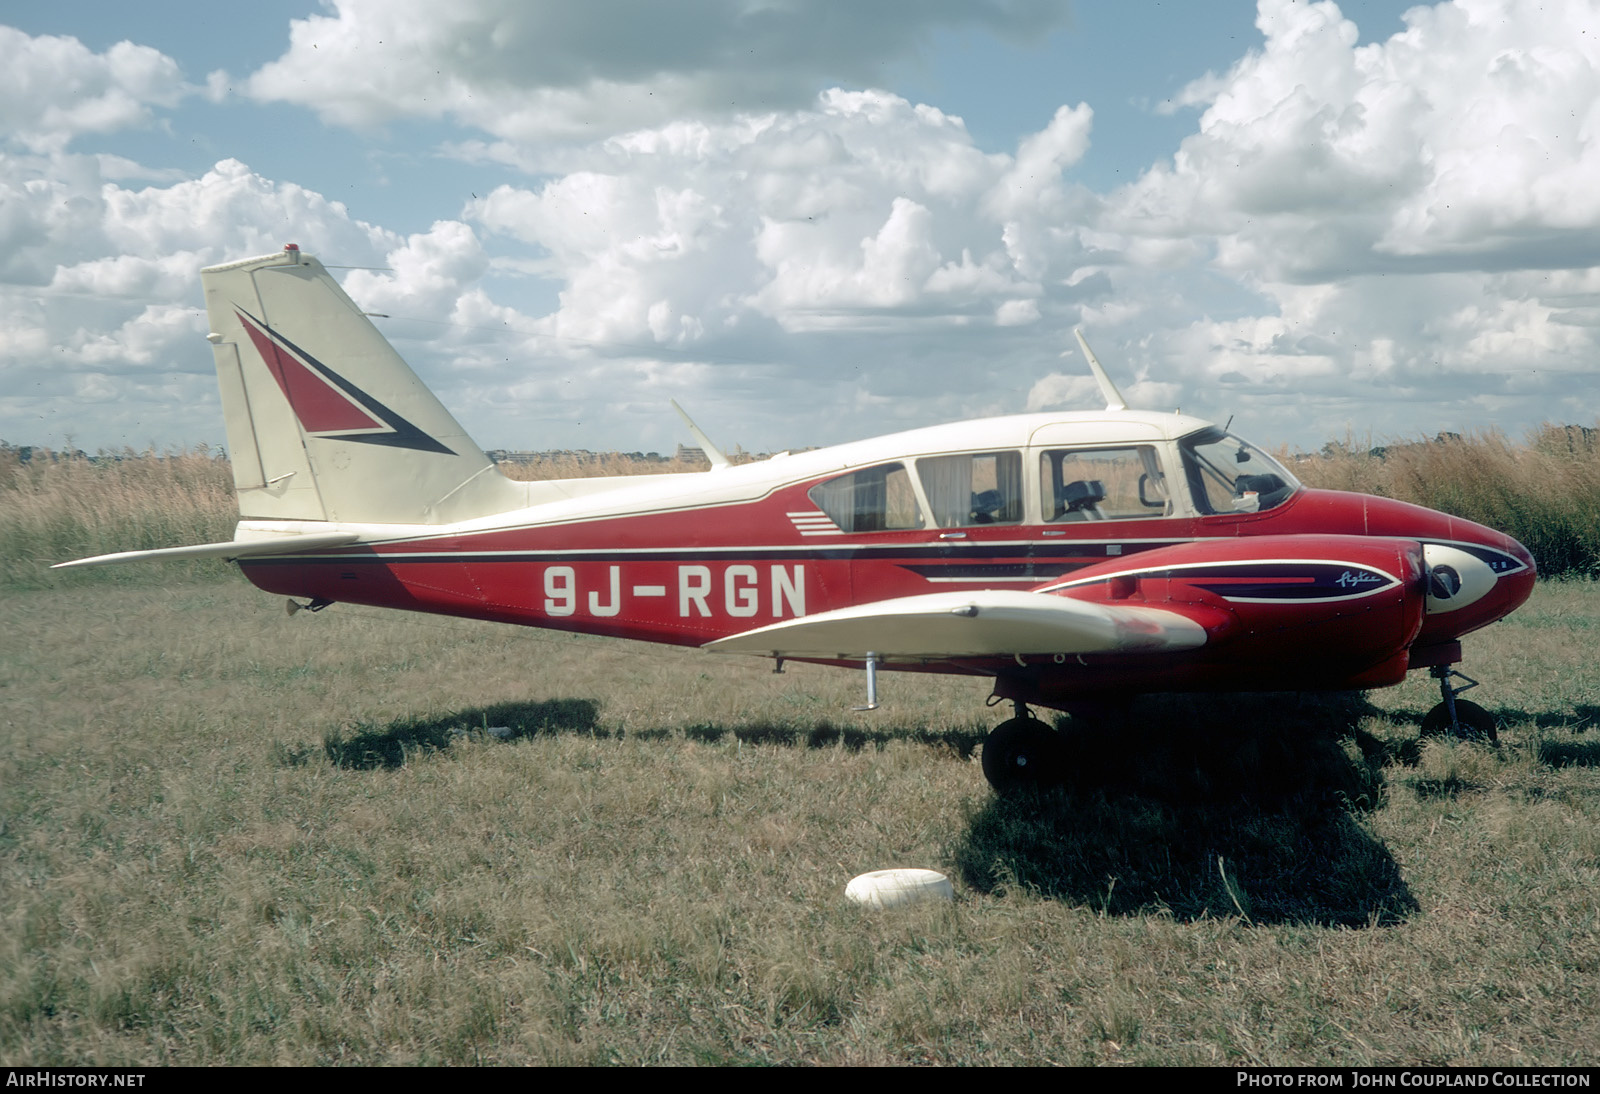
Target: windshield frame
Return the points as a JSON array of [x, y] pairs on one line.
[[1207, 478]]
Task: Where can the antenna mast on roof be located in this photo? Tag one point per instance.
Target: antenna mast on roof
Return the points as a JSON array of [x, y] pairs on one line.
[[717, 457], [1114, 399]]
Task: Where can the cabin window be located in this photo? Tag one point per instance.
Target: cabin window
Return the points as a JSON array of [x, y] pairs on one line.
[[973, 488], [1082, 484], [877, 499], [1227, 475]]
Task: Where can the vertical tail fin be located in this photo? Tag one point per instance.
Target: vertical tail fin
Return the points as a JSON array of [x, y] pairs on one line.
[[325, 420]]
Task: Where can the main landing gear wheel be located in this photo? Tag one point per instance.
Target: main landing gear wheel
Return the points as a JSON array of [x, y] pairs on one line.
[[1473, 722], [1022, 752]]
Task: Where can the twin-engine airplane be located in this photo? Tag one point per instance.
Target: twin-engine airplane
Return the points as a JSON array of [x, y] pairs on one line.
[[1068, 558]]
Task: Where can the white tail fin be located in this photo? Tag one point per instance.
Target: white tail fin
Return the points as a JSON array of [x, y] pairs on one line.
[[325, 421]]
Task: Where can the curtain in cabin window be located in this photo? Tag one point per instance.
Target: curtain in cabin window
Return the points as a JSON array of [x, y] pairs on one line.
[[947, 483]]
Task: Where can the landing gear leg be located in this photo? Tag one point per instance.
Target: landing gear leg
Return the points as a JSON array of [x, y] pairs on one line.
[[1460, 718], [1021, 752]]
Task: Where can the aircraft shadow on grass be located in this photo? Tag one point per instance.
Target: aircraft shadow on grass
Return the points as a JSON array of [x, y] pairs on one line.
[[1217, 806], [1579, 718], [1240, 805], [1237, 805], [1570, 753], [824, 734], [391, 745]]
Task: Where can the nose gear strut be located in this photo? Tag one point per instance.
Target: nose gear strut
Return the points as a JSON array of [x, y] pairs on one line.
[[1459, 718]]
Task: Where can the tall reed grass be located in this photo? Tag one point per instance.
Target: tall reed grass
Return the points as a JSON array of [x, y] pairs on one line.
[[58, 506], [1545, 493], [593, 465], [55, 507]]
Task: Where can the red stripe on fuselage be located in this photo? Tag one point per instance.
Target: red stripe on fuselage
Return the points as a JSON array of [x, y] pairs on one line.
[[1265, 580]]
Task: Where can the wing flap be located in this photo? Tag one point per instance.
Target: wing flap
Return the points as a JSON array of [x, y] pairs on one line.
[[254, 548], [993, 622]]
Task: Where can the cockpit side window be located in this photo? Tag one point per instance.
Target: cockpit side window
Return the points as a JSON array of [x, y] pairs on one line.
[[1081, 484], [973, 488], [875, 499], [1227, 475]]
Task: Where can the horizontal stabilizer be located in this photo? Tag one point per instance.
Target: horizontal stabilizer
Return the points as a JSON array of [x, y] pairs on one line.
[[278, 545], [974, 624]]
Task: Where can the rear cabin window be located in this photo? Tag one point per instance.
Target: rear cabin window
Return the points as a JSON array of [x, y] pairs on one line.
[[1082, 484], [877, 499], [973, 488]]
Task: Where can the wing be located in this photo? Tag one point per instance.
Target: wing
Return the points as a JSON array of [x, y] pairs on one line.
[[989, 622]]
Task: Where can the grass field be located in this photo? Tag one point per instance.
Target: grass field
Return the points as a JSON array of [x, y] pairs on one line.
[[231, 836]]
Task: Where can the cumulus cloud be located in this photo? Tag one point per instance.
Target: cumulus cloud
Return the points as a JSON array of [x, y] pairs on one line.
[[1350, 232], [534, 71], [425, 275], [1380, 201], [1468, 141], [1032, 187], [865, 211], [54, 89], [759, 246], [99, 283]]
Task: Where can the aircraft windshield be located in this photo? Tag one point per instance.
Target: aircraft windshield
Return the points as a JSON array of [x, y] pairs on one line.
[[1228, 475]]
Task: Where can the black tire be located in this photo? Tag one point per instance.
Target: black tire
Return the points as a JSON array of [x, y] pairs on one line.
[[1477, 724], [1022, 753]]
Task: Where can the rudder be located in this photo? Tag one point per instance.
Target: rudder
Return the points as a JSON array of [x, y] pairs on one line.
[[325, 421]]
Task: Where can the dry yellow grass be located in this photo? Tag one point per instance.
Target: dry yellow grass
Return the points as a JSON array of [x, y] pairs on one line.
[[54, 509], [588, 465], [1545, 493]]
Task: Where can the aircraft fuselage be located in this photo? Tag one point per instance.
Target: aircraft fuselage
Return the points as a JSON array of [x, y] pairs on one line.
[[1320, 589]]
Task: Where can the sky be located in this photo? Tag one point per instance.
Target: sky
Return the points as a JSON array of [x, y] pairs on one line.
[[812, 221]]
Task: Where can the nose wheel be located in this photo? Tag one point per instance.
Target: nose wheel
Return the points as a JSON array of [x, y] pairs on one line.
[[1022, 752], [1460, 718]]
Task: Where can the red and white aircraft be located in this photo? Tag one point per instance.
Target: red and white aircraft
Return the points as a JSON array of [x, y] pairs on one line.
[[1068, 558]]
